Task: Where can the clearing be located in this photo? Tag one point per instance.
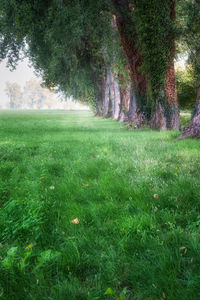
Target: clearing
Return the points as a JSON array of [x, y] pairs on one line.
[[92, 210]]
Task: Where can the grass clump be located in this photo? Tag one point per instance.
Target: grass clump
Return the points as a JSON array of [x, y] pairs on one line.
[[91, 210]]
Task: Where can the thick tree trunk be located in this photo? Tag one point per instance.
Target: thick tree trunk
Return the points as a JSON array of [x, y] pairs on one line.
[[193, 130], [132, 53], [123, 19], [169, 113], [167, 110]]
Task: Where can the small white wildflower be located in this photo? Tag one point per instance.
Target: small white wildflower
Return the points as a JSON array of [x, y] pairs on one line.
[[52, 187]]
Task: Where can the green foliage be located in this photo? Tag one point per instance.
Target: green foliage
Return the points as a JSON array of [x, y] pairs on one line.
[[156, 33], [189, 12], [129, 243], [186, 85], [67, 42]]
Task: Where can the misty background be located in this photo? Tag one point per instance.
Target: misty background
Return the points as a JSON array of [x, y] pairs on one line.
[[23, 80]]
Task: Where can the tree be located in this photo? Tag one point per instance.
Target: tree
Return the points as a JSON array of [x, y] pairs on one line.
[[147, 34], [36, 96], [13, 92], [156, 39], [127, 31]]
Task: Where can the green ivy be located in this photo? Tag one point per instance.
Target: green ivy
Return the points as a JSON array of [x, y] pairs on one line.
[[156, 33]]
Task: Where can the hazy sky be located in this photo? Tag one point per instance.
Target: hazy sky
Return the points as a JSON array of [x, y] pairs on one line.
[[22, 74]]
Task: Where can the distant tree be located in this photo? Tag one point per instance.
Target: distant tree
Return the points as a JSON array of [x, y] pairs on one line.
[[13, 91], [32, 93], [36, 96], [48, 97]]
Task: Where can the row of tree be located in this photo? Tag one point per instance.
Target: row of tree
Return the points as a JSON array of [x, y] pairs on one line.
[[115, 55], [33, 95]]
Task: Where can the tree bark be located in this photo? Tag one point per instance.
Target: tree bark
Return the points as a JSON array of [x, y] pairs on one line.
[[123, 19], [124, 104], [132, 106], [168, 113], [132, 53], [159, 120], [100, 95], [170, 84], [116, 99], [99, 108], [167, 109], [106, 98], [107, 95], [193, 130]]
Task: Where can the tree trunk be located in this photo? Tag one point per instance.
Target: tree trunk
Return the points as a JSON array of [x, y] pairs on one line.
[[99, 83], [114, 96], [132, 106], [123, 19], [124, 104], [127, 35], [169, 113], [100, 90], [116, 100], [99, 107], [107, 96], [170, 85], [193, 130], [159, 120]]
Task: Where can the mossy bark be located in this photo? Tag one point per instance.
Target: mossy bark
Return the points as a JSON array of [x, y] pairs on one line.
[[173, 121], [123, 15], [100, 96], [106, 96]]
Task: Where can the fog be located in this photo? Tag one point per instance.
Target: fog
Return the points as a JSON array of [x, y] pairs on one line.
[[23, 73]]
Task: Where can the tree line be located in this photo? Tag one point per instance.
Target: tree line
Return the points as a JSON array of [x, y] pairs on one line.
[[32, 96], [117, 56]]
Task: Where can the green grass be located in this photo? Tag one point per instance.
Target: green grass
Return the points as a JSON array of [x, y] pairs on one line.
[[136, 195]]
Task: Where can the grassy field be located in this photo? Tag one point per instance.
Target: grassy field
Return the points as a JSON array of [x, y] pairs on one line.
[[91, 210]]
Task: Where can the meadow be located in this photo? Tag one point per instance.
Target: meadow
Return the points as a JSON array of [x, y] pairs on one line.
[[90, 209]]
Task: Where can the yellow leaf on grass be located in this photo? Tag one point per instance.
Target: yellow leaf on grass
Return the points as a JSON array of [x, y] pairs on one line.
[[29, 246]]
